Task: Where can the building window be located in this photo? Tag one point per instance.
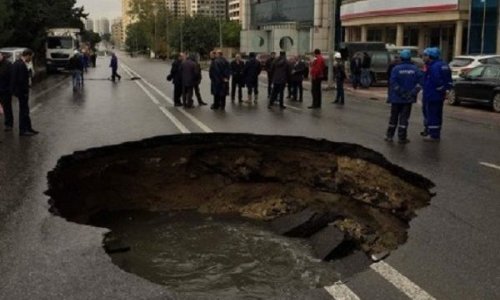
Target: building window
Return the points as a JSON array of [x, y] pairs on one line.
[[410, 36], [483, 26], [374, 35], [391, 35]]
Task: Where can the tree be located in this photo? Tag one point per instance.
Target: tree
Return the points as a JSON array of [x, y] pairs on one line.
[[231, 34], [5, 15], [136, 39], [91, 38], [106, 37], [25, 22]]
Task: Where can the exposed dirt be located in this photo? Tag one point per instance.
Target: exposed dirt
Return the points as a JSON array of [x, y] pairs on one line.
[[257, 177]]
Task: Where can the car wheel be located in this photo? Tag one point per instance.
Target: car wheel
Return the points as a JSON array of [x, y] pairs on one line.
[[452, 98], [496, 103]]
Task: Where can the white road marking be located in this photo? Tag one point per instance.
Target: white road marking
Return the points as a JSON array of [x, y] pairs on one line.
[[489, 165], [294, 108], [340, 291], [171, 117], [401, 282], [193, 119], [49, 89], [35, 108]]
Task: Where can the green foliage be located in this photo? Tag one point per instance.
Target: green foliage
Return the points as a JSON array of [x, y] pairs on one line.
[[157, 29], [231, 34], [5, 17], [106, 37], [25, 22], [91, 37], [136, 40]]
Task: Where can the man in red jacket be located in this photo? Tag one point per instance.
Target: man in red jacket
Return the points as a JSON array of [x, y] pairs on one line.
[[317, 69]]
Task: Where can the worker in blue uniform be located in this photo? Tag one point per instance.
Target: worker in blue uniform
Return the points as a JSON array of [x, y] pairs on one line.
[[437, 81], [405, 84]]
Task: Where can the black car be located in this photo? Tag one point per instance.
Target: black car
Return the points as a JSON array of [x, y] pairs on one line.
[[480, 85]]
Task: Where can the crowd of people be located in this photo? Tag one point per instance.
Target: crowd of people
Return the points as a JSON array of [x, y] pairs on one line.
[[229, 79], [406, 81], [15, 81]]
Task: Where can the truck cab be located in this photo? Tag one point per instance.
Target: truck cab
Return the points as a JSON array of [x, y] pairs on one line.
[[60, 45]]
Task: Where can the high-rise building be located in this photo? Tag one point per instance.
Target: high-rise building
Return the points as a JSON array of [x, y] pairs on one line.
[[211, 8], [117, 32], [89, 24], [235, 9], [126, 17], [102, 26], [178, 7]]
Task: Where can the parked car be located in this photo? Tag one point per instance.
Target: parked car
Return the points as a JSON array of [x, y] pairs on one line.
[[464, 63], [14, 53], [480, 85]]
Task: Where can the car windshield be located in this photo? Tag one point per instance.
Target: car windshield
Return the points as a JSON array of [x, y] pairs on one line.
[[60, 43], [460, 62], [6, 54], [495, 60]]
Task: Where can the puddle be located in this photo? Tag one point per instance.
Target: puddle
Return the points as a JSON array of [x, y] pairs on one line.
[[196, 254], [295, 204]]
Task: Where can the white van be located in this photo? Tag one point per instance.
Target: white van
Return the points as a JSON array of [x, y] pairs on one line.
[[14, 53]]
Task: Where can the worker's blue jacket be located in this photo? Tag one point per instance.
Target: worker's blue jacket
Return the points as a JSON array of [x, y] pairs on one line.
[[405, 83], [437, 81]]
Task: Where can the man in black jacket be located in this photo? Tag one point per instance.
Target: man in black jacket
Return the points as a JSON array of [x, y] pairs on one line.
[[5, 93], [20, 88], [281, 74], [269, 66], [297, 78], [251, 76], [237, 66], [189, 80], [220, 72], [176, 77]]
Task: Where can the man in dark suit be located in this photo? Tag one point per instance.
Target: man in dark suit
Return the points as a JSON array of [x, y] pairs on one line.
[[220, 72], [5, 93], [176, 78], [189, 80], [20, 86], [281, 74], [237, 66], [251, 73]]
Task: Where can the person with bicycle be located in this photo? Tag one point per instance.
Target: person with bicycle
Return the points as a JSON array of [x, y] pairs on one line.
[[76, 69]]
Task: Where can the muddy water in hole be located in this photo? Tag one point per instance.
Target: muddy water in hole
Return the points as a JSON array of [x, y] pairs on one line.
[[222, 257]]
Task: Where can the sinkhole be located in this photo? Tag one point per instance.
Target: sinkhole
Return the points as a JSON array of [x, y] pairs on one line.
[[239, 215]]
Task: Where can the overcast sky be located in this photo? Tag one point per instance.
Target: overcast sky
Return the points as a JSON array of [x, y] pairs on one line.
[[101, 8]]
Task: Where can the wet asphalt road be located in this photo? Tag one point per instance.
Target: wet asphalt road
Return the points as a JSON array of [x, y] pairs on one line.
[[452, 252]]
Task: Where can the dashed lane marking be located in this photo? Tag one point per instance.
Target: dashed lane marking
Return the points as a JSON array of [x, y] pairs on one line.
[[340, 291], [192, 118], [49, 89], [401, 282], [169, 115], [485, 164]]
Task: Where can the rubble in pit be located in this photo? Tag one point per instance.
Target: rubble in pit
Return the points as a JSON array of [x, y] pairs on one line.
[[334, 187]]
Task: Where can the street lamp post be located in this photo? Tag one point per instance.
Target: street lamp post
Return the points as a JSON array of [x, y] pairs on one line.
[[155, 46], [483, 26], [220, 32], [331, 45]]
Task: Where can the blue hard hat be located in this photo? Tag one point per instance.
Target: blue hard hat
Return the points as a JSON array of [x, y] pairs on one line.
[[433, 52], [405, 54]]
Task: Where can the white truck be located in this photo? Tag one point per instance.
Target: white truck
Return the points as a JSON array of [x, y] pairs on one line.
[[60, 45]]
